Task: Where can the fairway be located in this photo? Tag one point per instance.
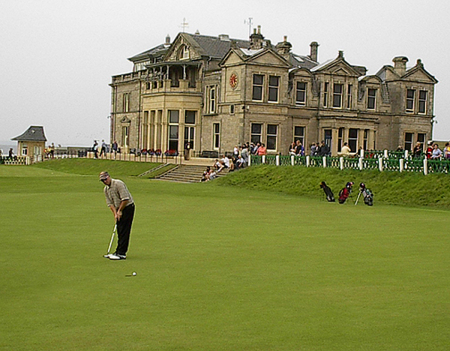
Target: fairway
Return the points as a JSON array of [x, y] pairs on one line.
[[218, 268]]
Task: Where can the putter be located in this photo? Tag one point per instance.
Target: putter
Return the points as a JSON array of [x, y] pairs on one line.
[[110, 243], [358, 198]]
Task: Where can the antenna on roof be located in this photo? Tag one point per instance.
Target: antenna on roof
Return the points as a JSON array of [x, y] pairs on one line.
[[184, 24], [250, 23]]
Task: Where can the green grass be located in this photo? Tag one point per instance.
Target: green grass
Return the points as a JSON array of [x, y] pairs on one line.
[[218, 268]]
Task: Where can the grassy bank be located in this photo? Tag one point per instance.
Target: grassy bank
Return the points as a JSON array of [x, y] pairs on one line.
[[406, 189]]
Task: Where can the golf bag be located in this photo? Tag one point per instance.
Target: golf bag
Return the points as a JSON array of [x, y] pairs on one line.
[[345, 193], [367, 194], [328, 193]]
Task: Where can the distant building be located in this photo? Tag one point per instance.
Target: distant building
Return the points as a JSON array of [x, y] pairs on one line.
[[216, 92], [32, 142]]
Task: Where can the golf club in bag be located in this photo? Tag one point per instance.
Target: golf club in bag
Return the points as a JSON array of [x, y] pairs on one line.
[[345, 193], [328, 193], [367, 194], [110, 243]]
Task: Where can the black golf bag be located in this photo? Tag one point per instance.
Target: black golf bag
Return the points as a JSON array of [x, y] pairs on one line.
[[345, 193], [328, 193], [367, 194]]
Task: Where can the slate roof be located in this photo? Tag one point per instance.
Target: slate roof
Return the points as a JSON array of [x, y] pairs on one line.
[[157, 51], [34, 133], [215, 47]]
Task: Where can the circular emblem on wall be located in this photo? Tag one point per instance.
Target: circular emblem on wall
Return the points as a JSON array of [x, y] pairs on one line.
[[233, 80]]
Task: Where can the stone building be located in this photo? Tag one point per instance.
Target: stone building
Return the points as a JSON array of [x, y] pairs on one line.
[[31, 143], [215, 93]]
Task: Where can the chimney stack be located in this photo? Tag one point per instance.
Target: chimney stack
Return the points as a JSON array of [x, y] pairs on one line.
[[314, 51], [400, 65]]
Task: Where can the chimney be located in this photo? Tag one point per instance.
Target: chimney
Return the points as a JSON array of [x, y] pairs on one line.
[[314, 51], [400, 65], [256, 39], [167, 43], [284, 48], [224, 37]]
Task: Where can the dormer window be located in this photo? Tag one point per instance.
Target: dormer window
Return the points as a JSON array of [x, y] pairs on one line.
[[183, 53]]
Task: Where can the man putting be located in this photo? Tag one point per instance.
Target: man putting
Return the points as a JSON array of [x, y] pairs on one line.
[[121, 204]]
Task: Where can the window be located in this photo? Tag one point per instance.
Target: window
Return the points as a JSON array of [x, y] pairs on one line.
[[189, 117], [125, 130], [300, 97], [422, 101], [371, 98], [366, 139], [231, 109], [212, 100], [353, 139], [274, 82], [189, 132], [408, 141], [328, 137], [126, 102], [410, 100], [216, 135], [258, 81], [256, 133], [421, 137], [325, 95], [337, 95], [299, 134], [272, 136], [340, 138], [174, 116], [349, 96]]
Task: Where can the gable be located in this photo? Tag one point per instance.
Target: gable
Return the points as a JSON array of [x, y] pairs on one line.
[[231, 58], [268, 57], [418, 75], [183, 49]]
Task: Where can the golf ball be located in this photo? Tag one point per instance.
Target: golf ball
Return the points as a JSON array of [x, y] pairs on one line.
[[134, 273]]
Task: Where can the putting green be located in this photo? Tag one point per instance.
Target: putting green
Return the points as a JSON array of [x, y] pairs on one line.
[[218, 268]]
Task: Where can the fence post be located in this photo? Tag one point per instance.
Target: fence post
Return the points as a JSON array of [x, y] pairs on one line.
[[263, 159], [406, 154], [402, 164], [292, 160], [341, 163], [324, 163], [361, 153], [386, 154], [307, 161], [380, 164], [360, 163], [249, 160], [425, 166], [277, 160]]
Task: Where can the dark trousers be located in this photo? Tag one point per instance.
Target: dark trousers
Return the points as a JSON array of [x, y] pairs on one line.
[[124, 229]]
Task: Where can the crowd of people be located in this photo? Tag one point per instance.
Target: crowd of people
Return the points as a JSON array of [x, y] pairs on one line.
[[432, 152], [236, 161]]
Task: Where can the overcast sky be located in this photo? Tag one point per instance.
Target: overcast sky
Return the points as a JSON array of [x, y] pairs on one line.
[[57, 56]]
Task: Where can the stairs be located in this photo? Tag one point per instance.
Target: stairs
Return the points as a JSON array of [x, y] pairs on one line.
[[186, 174]]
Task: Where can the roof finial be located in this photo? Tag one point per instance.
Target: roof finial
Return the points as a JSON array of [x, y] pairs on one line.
[[184, 24]]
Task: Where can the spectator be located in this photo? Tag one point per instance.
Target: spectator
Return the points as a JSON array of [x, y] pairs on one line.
[[115, 147], [235, 153], [244, 154], [240, 163], [345, 151], [262, 150], [436, 154], [447, 151], [430, 150], [95, 148], [103, 149], [292, 148], [11, 153], [299, 149], [324, 150], [255, 148], [417, 151], [313, 149]]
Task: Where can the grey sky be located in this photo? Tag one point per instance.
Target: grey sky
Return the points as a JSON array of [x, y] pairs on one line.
[[57, 56]]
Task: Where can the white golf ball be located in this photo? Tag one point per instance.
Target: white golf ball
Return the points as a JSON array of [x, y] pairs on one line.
[[134, 273]]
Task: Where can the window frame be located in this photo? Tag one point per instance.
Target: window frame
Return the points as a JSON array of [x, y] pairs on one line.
[[423, 102], [337, 95], [410, 100], [273, 89], [300, 102], [371, 99], [258, 88]]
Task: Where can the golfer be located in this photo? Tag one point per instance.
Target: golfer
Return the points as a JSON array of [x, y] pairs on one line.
[[121, 203]]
